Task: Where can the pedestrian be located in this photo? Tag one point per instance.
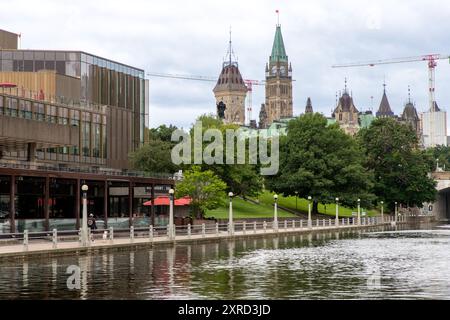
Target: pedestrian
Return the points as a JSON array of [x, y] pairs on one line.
[[92, 225]]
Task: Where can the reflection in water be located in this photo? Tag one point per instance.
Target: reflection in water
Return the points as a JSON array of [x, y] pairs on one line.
[[330, 265]]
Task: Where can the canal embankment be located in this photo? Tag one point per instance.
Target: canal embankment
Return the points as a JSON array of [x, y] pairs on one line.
[[55, 244]]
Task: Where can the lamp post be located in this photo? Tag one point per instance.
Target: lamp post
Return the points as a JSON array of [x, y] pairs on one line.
[[337, 212], [275, 213], [382, 216], [309, 212], [171, 194], [84, 227], [296, 197], [396, 212], [359, 212], [230, 215]]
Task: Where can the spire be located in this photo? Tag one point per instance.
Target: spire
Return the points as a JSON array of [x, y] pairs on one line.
[[384, 109], [308, 108], [230, 57], [345, 85], [278, 50], [409, 94]]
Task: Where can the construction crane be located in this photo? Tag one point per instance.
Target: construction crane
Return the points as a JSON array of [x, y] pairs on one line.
[[248, 83], [431, 58], [431, 62]]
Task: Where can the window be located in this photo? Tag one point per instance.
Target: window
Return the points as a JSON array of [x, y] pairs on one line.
[[63, 116], [25, 109], [85, 134], [11, 107], [51, 114], [75, 118], [39, 111], [38, 65]]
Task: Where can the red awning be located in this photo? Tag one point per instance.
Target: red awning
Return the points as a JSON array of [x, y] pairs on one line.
[[185, 201], [164, 201], [7, 85]]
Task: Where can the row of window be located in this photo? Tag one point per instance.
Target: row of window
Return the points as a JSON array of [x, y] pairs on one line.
[[92, 125]]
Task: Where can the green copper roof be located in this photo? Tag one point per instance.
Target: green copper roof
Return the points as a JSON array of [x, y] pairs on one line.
[[278, 51]]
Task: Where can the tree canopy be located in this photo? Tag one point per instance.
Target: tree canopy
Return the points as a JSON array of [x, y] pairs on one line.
[[323, 162], [400, 168], [154, 157], [206, 190]]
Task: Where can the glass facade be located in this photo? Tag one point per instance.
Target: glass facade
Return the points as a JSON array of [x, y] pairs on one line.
[[102, 81], [92, 126]]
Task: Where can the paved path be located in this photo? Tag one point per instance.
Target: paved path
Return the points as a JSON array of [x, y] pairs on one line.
[[74, 247]]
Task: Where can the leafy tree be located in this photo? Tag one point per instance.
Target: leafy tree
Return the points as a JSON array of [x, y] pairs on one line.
[[204, 187], [323, 162], [440, 153], [162, 132], [154, 157], [400, 168], [242, 179]]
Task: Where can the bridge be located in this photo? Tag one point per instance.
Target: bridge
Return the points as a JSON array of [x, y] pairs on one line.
[[441, 207]]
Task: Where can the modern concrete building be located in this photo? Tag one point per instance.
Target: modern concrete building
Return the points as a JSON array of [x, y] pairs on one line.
[[69, 118], [434, 127], [107, 100]]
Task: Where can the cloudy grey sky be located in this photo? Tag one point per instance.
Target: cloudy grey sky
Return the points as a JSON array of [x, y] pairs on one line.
[[190, 37]]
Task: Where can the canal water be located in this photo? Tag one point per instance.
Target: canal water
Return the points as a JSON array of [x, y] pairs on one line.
[[372, 264]]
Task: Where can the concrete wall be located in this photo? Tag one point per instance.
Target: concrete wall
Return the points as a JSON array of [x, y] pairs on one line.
[[8, 40], [18, 131]]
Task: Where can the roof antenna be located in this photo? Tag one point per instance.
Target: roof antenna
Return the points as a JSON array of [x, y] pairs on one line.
[[230, 45], [278, 17]]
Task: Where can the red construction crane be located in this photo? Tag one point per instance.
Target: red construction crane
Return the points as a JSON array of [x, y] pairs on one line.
[[249, 84], [431, 58]]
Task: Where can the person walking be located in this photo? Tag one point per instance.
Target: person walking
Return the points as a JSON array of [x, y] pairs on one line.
[[92, 225]]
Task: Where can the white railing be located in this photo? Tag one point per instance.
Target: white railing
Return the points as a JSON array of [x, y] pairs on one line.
[[183, 232]]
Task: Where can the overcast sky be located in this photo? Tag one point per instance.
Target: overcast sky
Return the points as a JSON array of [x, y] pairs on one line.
[[190, 37]]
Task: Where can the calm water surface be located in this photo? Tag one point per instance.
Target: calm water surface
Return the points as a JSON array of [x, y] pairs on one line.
[[373, 264]]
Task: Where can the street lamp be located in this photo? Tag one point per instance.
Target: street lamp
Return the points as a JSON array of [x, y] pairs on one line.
[[230, 216], [275, 213], [309, 212], [84, 227], [382, 216], [296, 196], [359, 212], [171, 233], [396, 212], [337, 212]]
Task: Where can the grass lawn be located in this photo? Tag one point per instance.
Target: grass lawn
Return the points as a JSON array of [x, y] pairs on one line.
[[246, 209], [302, 205]]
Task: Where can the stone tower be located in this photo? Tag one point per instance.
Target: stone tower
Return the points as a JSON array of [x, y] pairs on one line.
[[384, 110], [308, 108], [278, 102], [231, 90], [346, 113]]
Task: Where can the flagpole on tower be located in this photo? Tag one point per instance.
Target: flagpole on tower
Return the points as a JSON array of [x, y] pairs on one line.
[[278, 16]]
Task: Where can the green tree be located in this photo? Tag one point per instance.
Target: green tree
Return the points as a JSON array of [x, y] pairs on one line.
[[154, 157], [242, 179], [323, 162], [206, 190], [400, 168], [162, 132], [442, 155]]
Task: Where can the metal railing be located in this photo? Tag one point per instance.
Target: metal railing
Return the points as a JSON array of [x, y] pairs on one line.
[[82, 169], [183, 232]]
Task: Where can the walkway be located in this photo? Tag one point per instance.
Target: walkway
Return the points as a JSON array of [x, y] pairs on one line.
[[136, 239]]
